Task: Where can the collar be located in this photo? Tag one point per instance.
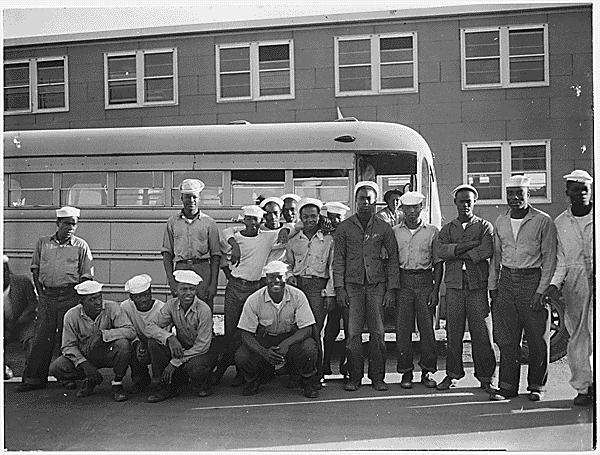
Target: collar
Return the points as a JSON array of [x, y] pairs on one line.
[[55, 239], [192, 306], [318, 234], [422, 225], [286, 296], [373, 219], [83, 313], [473, 220], [198, 215]]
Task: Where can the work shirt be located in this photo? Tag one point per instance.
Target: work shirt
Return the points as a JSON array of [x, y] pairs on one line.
[[291, 314], [418, 250], [311, 258], [140, 319], [62, 264], [197, 238], [476, 268], [357, 254], [79, 328], [575, 246], [391, 218], [254, 252], [194, 327], [534, 247]]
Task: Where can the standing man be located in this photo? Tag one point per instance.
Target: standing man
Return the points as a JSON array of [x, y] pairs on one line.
[[575, 269], [290, 204], [191, 242], [186, 354], [419, 290], [365, 283], [141, 309], [310, 257], [96, 334], [59, 262], [466, 244], [524, 262], [391, 214], [19, 303], [276, 326]]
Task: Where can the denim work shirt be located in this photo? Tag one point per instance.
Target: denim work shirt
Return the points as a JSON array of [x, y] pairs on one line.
[[197, 238], [417, 251], [534, 247], [477, 266], [357, 253]]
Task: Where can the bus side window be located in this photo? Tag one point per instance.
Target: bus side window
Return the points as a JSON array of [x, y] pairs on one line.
[[425, 184]]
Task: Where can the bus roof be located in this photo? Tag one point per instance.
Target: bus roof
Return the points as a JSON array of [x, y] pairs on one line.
[[357, 136]]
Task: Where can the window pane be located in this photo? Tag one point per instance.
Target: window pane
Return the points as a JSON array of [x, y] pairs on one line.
[[527, 69], [404, 42], [51, 72], [16, 74], [274, 83], [29, 181], [235, 59], [140, 196], [538, 186], [327, 189], [397, 76], [121, 67], [84, 189], [528, 158], [247, 186], [489, 186], [483, 71], [484, 160], [355, 78], [355, 52], [19, 198], [274, 57], [397, 56], [52, 96], [235, 85], [122, 92], [16, 99], [526, 42], [160, 64], [482, 44], [396, 49], [146, 179], [158, 90], [212, 194]]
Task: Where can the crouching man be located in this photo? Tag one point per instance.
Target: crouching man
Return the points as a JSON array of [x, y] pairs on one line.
[[187, 355], [276, 326], [96, 334]]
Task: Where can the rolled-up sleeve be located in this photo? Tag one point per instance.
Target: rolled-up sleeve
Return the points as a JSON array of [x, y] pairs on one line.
[[214, 241], [168, 238], [304, 315], [249, 317], [70, 341], [37, 254]]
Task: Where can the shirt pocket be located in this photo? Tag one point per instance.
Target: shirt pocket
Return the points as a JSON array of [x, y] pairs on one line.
[[71, 263]]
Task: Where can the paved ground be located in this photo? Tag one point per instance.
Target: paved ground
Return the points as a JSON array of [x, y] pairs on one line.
[[279, 419]]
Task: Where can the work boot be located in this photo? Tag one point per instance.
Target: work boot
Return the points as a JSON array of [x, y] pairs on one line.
[[310, 388], [26, 387], [427, 381], [406, 382], [161, 395], [87, 389], [535, 396], [488, 387], [351, 386], [446, 383], [380, 386], [251, 388], [118, 393]]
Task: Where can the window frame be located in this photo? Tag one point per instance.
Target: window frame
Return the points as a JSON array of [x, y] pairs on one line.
[[33, 85], [506, 167], [140, 78], [254, 65], [503, 35], [375, 42]]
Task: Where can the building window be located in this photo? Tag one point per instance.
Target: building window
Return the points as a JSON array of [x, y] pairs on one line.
[[248, 187], [488, 165], [255, 71], [140, 78], [144, 188], [30, 190], [373, 64], [325, 185], [36, 85], [86, 189], [211, 195], [504, 57]]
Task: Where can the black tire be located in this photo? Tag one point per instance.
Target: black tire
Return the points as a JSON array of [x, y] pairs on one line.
[[559, 337]]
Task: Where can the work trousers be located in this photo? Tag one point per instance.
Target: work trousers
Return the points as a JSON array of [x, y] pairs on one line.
[[52, 306], [411, 301], [115, 355], [332, 330], [139, 370], [202, 268], [312, 288], [366, 302], [301, 358], [469, 305], [197, 369], [513, 315]]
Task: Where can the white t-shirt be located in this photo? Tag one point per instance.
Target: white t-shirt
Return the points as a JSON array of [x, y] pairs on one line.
[[255, 252], [516, 225]]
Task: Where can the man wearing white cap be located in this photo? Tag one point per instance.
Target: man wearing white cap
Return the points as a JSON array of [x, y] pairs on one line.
[[191, 242], [336, 213], [19, 303], [276, 326], [96, 334], [466, 244], [419, 290], [523, 265], [310, 257], [59, 262], [365, 283], [575, 274], [141, 308], [290, 204], [189, 353]]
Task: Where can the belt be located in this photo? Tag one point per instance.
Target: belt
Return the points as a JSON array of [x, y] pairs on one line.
[[523, 271], [248, 282], [57, 290], [310, 277], [192, 261], [415, 271]]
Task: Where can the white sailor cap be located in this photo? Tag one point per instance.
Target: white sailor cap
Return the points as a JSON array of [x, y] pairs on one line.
[[88, 287], [467, 187], [5, 259], [253, 210], [278, 267], [309, 201], [67, 212], [580, 176], [336, 207], [138, 284], [518, 181], [411, 198], [295, 197], [191, 186], [275, 199], [367, 184], [187, 276]]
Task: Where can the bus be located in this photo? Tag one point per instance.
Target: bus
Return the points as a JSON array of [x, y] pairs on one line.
[[125, 181]]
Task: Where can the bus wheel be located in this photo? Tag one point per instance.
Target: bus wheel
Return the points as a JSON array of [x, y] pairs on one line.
[[559, 336]]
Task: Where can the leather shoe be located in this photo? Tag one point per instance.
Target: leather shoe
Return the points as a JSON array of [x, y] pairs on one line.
[[535, 396], [161, 395], [406, 382], [26, 387], [427, 381], [351, 386], [251, 388], [446, 383], [488, 387], [310, 389], [380, 386], [583, 399], [238, 381], [502, 395], [119, 394], [86, 390]]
